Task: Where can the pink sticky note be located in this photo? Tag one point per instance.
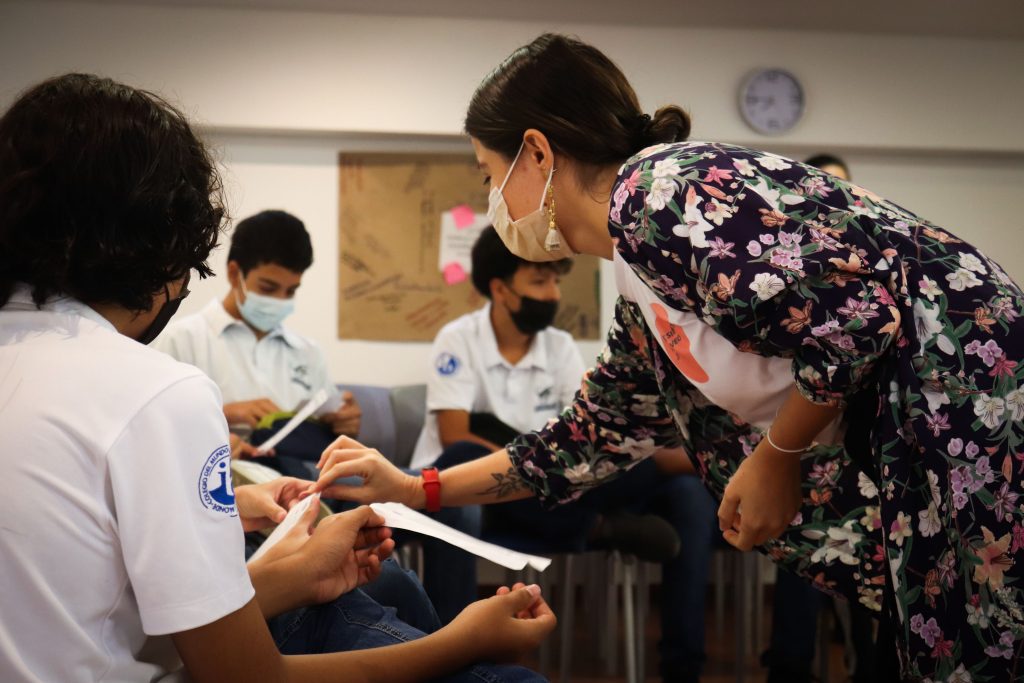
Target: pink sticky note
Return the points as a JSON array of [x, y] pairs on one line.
[[463, 215], [454, 274]]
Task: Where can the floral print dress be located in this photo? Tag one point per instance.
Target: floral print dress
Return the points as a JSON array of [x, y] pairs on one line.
[[915, 333]]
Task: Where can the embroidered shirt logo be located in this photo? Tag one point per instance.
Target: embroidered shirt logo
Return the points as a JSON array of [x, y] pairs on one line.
[[300, 376], [446, 364], [215, 489]]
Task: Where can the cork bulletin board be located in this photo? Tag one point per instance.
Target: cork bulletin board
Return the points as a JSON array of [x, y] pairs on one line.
[[406, 224]]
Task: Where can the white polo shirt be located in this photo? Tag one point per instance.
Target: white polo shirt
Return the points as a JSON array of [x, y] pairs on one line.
[[116, 520], [283, 366], [469, 373]]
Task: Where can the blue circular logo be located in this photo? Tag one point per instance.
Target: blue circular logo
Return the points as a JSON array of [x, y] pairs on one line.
[[215, 489], [447, 364]]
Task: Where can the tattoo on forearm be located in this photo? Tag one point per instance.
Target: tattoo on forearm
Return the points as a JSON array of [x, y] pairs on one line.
[[505, 484]]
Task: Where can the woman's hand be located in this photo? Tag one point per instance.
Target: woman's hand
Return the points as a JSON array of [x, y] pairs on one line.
[[382, 481], [263, 505], [764, 494], [507, 626], [762, 497]]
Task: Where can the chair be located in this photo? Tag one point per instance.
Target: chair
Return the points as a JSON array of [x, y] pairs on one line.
[[611, 567], [409, 407], [377, 429], [392, 418]]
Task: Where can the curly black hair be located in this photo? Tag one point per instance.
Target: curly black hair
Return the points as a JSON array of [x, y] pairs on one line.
[[106, 194]]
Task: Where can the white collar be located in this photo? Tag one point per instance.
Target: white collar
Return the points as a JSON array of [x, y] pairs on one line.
[[219, 320], [21, 300]]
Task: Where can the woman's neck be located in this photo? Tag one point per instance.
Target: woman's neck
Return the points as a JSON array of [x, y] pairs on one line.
[[589, 233]]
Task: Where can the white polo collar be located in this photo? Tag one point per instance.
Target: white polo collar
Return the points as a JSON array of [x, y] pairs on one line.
[[219, 320], [21, 300]]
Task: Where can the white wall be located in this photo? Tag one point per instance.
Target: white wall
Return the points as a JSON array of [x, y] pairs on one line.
[[931, 123]]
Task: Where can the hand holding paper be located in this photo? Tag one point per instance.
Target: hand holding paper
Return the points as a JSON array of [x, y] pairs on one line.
[[307, 410], [292, 518]]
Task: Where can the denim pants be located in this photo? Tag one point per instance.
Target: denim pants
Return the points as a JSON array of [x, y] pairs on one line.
[[681, 500], [357, 621]]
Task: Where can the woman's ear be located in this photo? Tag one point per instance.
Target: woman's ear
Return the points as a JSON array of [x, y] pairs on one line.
[[538, 150]]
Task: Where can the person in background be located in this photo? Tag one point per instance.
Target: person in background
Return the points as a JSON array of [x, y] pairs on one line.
[[797, 604], [831, 164], [121, 550], [261, 367], [504, 370]]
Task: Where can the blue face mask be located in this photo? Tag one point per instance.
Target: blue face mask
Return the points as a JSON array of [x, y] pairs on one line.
[[264, 312]]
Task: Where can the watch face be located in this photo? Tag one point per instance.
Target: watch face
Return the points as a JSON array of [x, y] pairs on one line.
[[771, 101]]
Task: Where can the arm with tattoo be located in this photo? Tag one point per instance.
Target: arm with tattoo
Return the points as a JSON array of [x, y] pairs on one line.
[[505, 484], [490, 479]]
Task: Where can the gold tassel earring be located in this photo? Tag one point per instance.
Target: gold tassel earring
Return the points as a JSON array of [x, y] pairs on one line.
[[552, 241]]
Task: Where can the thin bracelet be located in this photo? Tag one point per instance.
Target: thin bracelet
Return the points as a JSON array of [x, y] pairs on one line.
[[768, 435]]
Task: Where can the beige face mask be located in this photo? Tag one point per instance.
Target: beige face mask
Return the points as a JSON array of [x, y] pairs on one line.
[[533, 237]]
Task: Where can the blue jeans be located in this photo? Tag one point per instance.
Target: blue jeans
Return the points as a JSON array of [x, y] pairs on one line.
[[681, 500], [355, 621]]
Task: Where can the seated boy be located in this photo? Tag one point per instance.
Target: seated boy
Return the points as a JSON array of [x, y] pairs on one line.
[[241, 343]]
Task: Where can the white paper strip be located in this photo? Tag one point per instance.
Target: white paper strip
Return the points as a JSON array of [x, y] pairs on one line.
[[399, 516], [299, 417], [285, 526]]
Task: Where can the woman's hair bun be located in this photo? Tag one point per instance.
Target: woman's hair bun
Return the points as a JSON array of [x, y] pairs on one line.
[[669, 124]]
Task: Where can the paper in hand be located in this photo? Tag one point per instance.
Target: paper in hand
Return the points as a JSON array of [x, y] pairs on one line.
[[399, 516], [286, 525], [315, 402]]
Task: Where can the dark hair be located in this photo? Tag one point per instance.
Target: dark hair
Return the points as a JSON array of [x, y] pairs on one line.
[[106, 194], [491, 259], [822, 160], [577, 97], [272, 236]]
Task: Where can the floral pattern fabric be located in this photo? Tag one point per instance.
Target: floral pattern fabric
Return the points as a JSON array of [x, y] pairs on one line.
[[866, 299]]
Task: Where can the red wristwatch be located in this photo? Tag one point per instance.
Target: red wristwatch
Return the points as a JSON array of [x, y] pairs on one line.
[[432, 488]]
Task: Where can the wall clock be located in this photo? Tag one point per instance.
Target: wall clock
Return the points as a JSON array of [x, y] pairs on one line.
[[771, 101]]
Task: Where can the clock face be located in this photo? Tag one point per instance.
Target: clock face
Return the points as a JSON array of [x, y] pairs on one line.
[[771, 101]]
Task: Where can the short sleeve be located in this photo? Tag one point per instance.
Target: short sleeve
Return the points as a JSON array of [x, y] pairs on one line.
[[618, 418], [771, 255], [451, 378], [180, 534]]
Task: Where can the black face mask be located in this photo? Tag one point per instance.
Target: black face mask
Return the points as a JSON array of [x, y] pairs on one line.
[[164, 316], [534, 314]]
